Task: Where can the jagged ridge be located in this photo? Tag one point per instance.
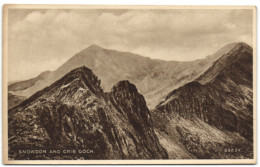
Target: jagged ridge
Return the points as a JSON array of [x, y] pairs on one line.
[[74, 112]]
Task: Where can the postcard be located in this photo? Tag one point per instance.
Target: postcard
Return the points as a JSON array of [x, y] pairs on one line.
[[111, 84]]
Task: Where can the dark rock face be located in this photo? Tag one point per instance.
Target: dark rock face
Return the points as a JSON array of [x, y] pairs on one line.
[[200, 101], [222, 97], [75, 113], [138, 115]]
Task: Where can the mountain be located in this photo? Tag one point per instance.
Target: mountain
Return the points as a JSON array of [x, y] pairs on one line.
[[214, 112], [74, 113], [153, 78], [22, 85]]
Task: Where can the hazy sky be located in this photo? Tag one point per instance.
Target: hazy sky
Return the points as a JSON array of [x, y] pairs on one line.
[[42, 40]]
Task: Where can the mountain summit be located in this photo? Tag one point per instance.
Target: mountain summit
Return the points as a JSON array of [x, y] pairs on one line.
[[235, 55], [94, 47]]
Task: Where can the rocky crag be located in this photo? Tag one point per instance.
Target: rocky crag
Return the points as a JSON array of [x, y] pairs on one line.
[[75, 113]]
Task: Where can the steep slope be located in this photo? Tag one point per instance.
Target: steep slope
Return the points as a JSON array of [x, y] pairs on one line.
[[153, 78], [75, 114], [14, 100], [222, 100]]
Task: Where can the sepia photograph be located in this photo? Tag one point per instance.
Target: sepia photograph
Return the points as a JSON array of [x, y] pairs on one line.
[[111, 84]]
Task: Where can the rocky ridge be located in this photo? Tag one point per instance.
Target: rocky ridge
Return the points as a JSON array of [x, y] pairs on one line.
[[221, 98], [75, 113]]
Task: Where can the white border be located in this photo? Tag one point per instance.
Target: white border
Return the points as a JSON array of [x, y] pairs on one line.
[[140, 2]]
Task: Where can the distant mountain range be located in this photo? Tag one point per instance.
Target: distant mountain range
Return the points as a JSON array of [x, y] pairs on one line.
[[153, 78], [201, 109]]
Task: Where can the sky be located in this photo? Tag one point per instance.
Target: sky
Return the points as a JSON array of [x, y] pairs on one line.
[[40, 40]]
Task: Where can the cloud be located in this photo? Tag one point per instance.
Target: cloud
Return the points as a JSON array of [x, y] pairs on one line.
[[47, 38]]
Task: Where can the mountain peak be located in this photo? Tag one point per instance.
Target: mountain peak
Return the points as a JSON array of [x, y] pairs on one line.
[[80, 72], [81, 77], [94, 47], [125, 85], [238, 52], [242, 45], [86, 75], [227, 48], [81, 69]]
